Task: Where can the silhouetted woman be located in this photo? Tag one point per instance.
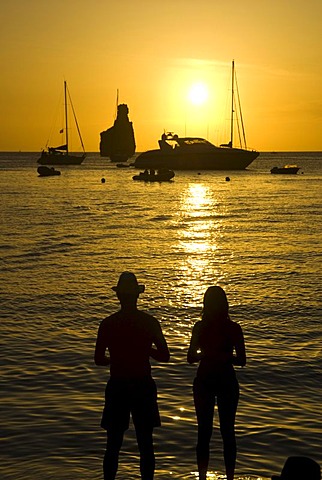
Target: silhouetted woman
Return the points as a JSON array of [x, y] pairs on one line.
[[218, 343]]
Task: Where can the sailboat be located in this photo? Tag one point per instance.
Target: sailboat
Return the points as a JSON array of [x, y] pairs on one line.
[[61, 155], [195, 153]]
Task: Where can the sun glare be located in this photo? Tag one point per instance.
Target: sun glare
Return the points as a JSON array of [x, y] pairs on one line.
[[198, 93]]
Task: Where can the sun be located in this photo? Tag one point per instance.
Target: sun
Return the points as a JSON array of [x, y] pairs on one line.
[[198, 93]]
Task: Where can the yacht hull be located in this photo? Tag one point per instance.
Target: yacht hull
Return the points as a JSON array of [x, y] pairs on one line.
[[216, 158]]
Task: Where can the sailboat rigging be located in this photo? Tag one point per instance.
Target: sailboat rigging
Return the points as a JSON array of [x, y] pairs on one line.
[[61, 155], [236, 115]]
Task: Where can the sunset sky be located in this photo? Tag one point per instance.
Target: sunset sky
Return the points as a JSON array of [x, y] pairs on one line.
[[154, 52]]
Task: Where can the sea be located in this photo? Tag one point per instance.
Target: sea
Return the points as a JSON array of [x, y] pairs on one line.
[[64, 241]]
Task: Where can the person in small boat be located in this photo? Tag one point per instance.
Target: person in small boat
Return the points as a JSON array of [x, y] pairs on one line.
[[131, 337], [218, 344], [299, 468]]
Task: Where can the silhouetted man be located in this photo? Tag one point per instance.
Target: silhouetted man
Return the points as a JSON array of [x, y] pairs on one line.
[[131, 338]]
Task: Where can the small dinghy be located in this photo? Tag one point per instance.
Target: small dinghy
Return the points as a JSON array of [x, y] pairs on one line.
[[44, 171], [152, 176], [287, 169]]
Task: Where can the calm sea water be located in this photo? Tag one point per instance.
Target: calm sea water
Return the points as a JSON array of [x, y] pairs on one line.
[[65, 240]]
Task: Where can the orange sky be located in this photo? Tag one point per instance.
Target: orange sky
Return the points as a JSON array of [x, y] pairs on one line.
[[153, 52]]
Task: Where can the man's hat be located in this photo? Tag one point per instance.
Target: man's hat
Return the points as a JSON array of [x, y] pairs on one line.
[[299, 468], [128, 283]]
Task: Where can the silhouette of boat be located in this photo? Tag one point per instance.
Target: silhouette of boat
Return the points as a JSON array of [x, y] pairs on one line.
[[123, 165], [195, 153], [60, 155], [287, 169], [47, 171], [118, 142], [160, 176]]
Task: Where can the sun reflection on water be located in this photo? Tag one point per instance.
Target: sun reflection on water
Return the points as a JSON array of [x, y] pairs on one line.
[[197, 198], [199, 207], [200, 227], [201, 230]]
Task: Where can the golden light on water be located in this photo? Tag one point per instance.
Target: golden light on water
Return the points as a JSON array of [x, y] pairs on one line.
[[197, 197], [199, 234]]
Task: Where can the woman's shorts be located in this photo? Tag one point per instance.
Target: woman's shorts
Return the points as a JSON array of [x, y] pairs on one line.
[[135, 397]]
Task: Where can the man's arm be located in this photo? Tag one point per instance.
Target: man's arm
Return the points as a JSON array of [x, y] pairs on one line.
[[100, 357], [161, 351]]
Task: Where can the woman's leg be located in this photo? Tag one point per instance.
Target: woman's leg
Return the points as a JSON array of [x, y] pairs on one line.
[[113, 447], [202, 449], [227, 407], [204, 404], [147, 459]]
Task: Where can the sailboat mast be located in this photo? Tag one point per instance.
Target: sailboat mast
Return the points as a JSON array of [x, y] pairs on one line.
[[232, 103], [66, 119]]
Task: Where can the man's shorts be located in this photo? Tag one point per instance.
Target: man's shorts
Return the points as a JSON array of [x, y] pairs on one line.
[[125, 397]]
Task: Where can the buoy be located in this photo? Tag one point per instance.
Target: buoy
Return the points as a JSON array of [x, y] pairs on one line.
[[227, 179]]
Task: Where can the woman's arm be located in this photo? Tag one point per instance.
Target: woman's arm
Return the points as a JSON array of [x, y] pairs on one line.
[[194, 354], [240, 358]]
